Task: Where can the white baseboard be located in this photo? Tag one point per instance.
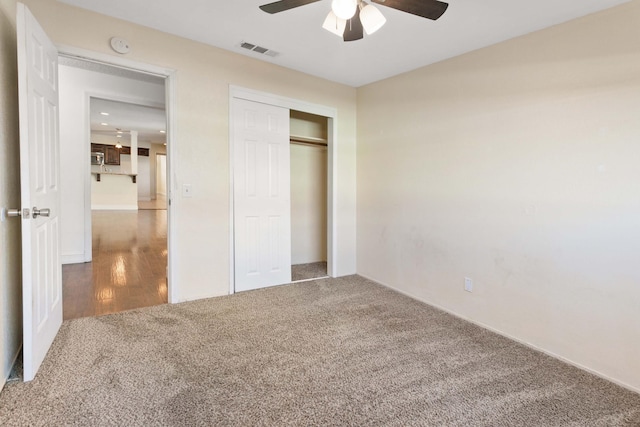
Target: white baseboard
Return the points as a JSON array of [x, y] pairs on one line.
[[511, 337], [73, 258], [114, 207]]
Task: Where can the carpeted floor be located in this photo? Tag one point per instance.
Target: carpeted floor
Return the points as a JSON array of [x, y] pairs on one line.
[[313, 270], [327, 352]]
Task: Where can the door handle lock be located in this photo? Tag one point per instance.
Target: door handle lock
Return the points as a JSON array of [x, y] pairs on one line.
[[40, 212]]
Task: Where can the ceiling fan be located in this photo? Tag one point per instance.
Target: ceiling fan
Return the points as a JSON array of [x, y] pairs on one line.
[[350, 19]]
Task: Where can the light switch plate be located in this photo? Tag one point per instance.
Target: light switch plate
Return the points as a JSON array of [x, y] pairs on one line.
[[186, 190]]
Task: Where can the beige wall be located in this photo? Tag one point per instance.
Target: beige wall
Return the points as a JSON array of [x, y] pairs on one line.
[[517, 166], [10, 271], [308, 203], [202, 223]]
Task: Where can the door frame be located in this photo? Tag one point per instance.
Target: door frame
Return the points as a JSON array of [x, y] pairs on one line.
[[166, 188], [332, 166], [171, 107]]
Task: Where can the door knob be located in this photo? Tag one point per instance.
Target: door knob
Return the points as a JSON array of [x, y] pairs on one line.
[[35, 212]]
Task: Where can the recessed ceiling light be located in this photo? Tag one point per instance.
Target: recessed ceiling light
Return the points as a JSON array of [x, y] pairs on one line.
[[104, 114], [119, 136], [163, 131], [104, 124], [119, 132]]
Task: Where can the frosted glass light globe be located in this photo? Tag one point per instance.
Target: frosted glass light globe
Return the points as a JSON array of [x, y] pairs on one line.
[[344, 9], [371, 18]]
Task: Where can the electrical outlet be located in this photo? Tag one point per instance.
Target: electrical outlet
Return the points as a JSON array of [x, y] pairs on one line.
[[468, 284]]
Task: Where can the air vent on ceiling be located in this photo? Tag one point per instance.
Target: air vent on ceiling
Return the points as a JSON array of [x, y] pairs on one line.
[[259, 49]]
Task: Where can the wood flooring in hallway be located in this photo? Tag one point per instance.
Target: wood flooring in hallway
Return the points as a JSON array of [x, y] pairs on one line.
[[128, 269]]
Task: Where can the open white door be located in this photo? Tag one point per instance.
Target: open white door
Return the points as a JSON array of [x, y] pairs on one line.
[[40, 197], [262, 200]]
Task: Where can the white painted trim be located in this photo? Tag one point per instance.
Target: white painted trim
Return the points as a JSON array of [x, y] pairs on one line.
[[509, 336], [77, 258], [281, 101], [332, 169], [232, 246], [88, 238], [117, 61], [171, 107]]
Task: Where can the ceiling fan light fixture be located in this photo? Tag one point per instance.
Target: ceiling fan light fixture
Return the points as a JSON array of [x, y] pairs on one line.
[[344, 9], [118, 145], [334, 25], [371, 18]]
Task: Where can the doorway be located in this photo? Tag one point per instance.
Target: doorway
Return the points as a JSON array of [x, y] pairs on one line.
[[127, 248]]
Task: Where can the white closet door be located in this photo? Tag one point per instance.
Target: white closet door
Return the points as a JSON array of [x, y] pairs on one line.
[[262, 205]]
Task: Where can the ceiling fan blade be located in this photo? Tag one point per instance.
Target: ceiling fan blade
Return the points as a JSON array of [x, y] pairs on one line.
[[354, 30], [282, 5], [430, 9]]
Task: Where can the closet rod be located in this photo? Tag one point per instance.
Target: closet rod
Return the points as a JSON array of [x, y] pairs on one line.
[[301, 141]]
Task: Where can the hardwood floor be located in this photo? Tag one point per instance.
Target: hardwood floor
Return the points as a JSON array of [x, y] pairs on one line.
[[160, 202], [128, 269]]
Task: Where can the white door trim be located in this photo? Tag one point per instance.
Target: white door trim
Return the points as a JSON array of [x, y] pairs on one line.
[[332, 158], [172, 150]]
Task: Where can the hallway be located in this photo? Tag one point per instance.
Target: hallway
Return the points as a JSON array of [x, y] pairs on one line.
[[128, 269]]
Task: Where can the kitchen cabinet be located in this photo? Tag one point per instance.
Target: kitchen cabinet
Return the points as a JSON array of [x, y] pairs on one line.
[[111, 153]]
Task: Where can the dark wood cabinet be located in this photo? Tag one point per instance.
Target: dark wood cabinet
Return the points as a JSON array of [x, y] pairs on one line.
[[112, 154], [97, 148]]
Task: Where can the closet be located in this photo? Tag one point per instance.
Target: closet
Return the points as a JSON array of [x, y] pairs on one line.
[[308, 147]]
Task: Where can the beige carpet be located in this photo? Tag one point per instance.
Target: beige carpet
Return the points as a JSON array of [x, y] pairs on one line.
[[313, 270], [327, 352]]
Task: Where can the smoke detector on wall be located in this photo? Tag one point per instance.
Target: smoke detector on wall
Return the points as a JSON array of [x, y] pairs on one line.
[[119, 45]]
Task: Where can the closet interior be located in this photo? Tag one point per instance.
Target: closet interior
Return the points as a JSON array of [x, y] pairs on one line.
[[308, 145]]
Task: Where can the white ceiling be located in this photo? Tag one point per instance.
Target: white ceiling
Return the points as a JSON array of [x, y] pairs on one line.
[[148, 121], [406, 42]]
